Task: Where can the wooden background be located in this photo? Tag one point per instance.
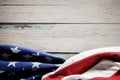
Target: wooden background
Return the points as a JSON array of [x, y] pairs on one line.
[[77, 25]]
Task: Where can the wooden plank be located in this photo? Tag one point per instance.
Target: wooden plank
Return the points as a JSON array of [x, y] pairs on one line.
[[57, 44], [65, 37], [31, 2], [57, 2], [64, 55], [88, 11], [25, 26]]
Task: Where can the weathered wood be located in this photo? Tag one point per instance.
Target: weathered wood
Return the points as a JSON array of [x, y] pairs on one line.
[[58, 2], [64, 55], [65, 37], [60, 11], [33, 2], [24, 26]]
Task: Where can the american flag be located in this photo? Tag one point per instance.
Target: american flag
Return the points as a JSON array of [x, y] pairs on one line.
[[96, 64], [19, 63]]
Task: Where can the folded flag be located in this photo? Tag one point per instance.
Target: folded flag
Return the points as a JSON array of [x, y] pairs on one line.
[[19, 63], [97, 64]]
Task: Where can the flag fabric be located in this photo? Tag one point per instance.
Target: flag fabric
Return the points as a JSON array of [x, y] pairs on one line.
[[19, 63], [97, 64]]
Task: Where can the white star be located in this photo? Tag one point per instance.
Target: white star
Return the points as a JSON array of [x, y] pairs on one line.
[[35, 64], [12, 64], [33, 77], [38, 53], [15, 50], [5, 56], [23, 69], [27, 56], [49, 59], [1, 71], [10, 74]]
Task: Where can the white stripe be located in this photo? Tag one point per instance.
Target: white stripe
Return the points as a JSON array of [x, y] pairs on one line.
[[104, 67], [83, 55]]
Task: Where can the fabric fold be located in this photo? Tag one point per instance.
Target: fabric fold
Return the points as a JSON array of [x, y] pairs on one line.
[[88, 68], [20, 63]]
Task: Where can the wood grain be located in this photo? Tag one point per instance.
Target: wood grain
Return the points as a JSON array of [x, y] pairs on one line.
[[58, 2], [79, 25], [65, 37], [60, 11]]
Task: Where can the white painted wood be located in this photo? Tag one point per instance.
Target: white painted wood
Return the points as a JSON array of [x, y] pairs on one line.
[[34, 2], [65, 56], [65, 37], [58, 2], [61, 11]]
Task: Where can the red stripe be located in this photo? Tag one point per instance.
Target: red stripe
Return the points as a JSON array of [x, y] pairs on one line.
[[83, 65]]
